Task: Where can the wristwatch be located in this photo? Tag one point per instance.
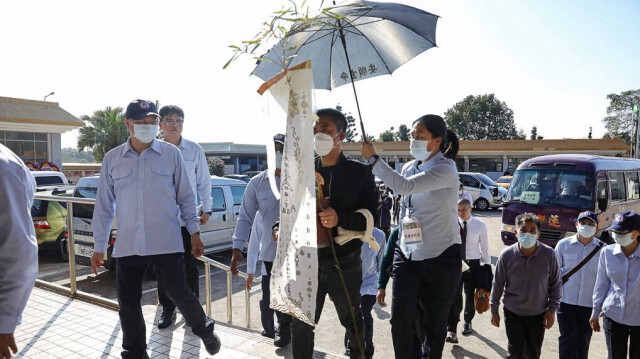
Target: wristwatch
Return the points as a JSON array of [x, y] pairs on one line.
[[373, 159]]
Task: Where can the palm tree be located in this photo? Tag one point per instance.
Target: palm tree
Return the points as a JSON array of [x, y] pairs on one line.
[[105, 130]]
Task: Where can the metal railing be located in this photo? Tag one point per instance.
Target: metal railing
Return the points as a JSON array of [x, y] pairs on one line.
[[208, 262], [73, 288]]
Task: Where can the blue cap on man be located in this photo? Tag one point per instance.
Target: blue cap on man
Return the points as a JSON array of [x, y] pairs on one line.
[[588, 214], [625, 222], [279, 138], [139, 109]]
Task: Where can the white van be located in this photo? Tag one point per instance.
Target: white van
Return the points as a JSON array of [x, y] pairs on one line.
[[216, 234], [49, 178], [485, 192]]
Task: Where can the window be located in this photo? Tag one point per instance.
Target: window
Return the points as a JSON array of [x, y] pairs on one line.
[[632, 185], [30, 147], [460, 164], [218, 199], [237, 192], [617, 186], [485, 165], [469, 181]]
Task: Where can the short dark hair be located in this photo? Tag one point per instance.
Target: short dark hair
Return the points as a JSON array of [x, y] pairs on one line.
[[438, 128], [464, 202], [337, 117], [527, 217], [171, 110]]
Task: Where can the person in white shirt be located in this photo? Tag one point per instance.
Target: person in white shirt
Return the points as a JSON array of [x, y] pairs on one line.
[[171, 124], [577, 290], [371, 261], [475, 253], [18, 246], [465, 195], [144, 183]]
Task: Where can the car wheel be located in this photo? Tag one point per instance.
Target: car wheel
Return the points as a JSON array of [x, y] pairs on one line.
[[482, 204], [61, 244]]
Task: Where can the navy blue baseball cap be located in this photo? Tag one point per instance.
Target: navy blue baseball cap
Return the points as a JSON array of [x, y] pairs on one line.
[[279, 138], [588, 214], [625, 222], [139, 109]]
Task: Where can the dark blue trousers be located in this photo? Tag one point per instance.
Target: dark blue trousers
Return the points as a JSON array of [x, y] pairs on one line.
[[575, 331], [191, 269], [302, 336], [266, 313], [170, 271], [619, 337], [432, 284]]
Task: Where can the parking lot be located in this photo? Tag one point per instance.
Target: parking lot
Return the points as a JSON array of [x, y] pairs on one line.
[[486, 341]]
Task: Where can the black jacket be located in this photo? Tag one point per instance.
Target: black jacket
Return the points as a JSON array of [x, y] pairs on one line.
[[351, 186]]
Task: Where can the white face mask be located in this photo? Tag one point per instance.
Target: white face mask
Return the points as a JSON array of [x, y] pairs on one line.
[[622, 239], [586, 231], [278, 159], [418, 149], [145, 133], [527, 240], [323, 143]]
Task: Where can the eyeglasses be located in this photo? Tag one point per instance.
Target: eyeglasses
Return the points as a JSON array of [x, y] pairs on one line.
[[463, 210], [173, 122]]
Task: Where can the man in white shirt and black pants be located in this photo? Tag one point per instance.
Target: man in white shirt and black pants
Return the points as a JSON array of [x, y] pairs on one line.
[[475, 253]]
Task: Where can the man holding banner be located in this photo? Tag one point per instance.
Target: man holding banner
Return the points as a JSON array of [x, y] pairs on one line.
[[347, 186]]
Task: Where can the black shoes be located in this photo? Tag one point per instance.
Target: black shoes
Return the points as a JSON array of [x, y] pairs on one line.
[[211, 341], [466, 329], [167, 318], [268, 335], [451, 338], [282, 338]]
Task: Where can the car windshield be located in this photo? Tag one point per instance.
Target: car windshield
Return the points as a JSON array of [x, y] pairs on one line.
[[552, 187], [86, 188], [48, 180], [486, 180]]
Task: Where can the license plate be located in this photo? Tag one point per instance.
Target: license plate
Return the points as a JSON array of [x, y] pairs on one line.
[[85, 251]]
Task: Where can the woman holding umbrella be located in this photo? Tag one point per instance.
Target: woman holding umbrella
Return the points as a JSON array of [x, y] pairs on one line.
[[427, 262]]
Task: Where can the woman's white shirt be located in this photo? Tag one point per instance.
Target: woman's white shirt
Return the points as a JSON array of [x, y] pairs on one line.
[[433, 188]]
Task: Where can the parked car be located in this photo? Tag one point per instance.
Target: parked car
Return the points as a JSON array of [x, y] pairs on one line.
[[216, 234], [243, 178], [485, 192], [49, 178], [251, 173], [50, 222], [504, 181]]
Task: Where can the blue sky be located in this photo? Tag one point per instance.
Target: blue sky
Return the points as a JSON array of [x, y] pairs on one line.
[[552, 62]]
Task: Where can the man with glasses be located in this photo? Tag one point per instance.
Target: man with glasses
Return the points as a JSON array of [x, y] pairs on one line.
[[475, 253], [195, 162], [145, 184]]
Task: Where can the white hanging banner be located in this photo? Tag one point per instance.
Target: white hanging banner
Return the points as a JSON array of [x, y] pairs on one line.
[[294, 275]]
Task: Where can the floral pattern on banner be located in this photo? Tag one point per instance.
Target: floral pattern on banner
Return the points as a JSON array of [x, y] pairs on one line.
[[294, 274]]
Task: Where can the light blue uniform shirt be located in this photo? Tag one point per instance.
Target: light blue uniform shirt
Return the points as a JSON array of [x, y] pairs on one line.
[[147, 191], [433, 187], [578, 290], [371, 264], [18, 245], [198, 172], [617, 291], [258, 197]]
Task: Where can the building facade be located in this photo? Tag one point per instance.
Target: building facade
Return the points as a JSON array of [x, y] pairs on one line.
[[32, 129]]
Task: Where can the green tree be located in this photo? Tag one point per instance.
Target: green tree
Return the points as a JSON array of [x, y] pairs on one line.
[[387, 136], [104, 130], [216, 166], [534, 133], [350, 131], [619, 122], [72, 155], [590, 133], [482, 117], [403, 133]]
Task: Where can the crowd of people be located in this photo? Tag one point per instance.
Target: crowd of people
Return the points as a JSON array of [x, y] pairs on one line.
[[437, 251]]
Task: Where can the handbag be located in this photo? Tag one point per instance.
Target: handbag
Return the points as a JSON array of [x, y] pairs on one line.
[[565, 277], [481, 300]]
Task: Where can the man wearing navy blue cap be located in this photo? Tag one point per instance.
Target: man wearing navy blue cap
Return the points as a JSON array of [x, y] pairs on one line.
[[258, 197], [577, 291], [616, 296], [144, 183]]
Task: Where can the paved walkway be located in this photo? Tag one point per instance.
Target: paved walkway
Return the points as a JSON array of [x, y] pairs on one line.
[[57, 326]]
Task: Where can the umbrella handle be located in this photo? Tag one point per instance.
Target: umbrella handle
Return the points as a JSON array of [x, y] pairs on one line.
[[355, 94]]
